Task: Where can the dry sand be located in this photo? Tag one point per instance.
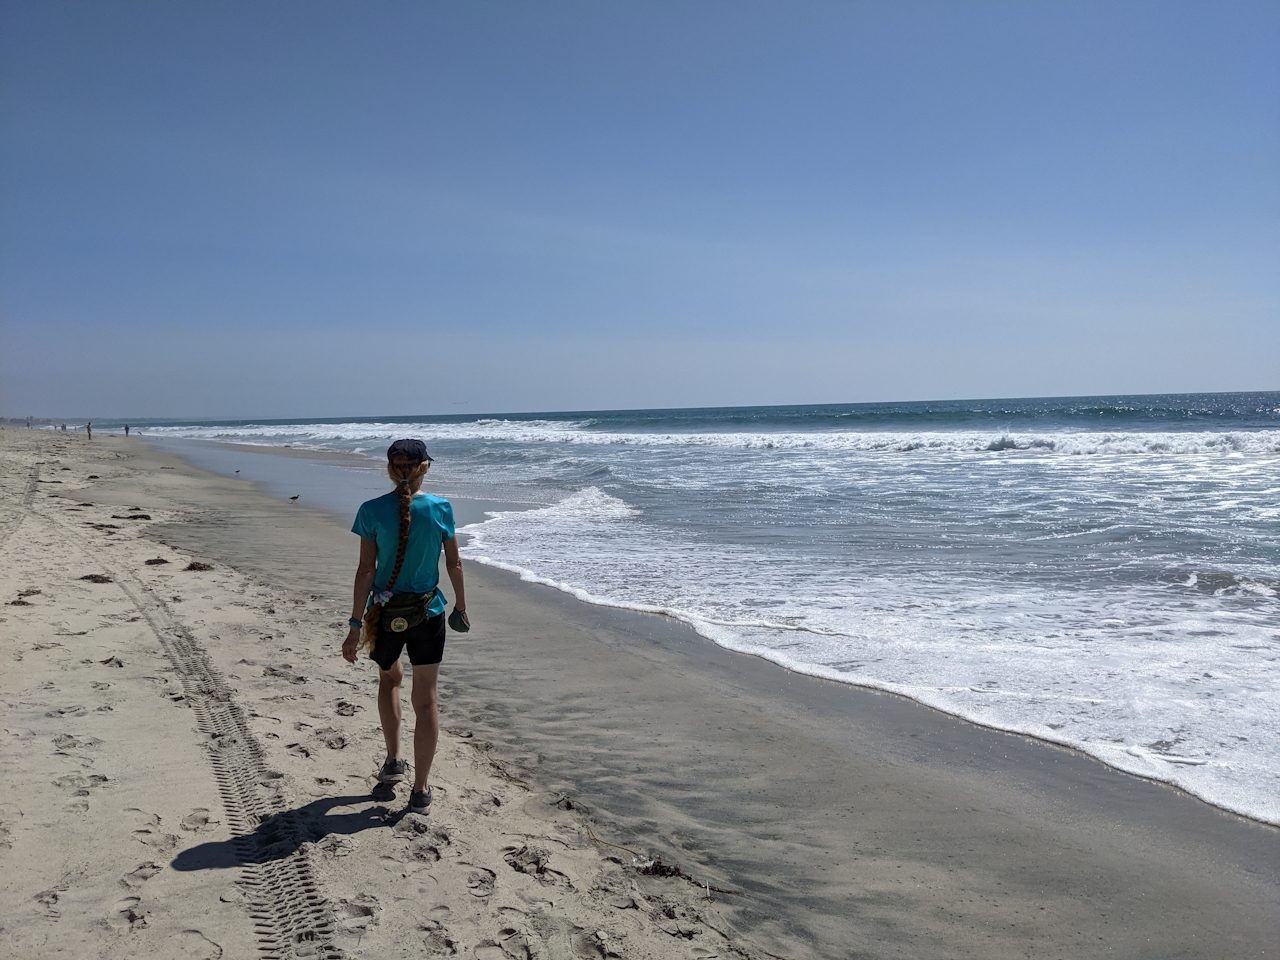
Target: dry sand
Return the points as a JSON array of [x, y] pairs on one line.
[[187, 764], [186, 771]]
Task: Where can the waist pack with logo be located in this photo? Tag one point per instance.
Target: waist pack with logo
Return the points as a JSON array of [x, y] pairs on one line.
[[405, 610]]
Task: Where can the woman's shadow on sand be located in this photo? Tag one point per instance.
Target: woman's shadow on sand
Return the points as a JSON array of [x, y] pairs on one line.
[[281, 834]]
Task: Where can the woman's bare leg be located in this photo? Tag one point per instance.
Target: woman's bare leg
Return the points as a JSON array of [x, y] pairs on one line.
[[426, 730], [389, 707]]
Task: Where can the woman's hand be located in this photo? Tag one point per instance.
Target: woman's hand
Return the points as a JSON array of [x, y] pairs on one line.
[[363, 584], [459, 620], [350, 644]]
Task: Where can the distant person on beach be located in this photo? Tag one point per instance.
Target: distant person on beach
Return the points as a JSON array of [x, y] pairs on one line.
[[126, 429], [88, 428], [401, 536]]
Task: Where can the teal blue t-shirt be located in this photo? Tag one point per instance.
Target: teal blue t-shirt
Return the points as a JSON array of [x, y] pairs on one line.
[[430, 524]]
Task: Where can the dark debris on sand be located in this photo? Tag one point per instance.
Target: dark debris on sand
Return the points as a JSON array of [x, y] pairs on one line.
[[660, 869]]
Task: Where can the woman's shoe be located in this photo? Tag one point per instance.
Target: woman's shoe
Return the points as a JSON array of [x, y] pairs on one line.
[[393, 771], [419, 800]]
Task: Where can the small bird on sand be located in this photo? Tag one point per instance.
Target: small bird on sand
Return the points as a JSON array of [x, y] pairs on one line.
[[237, 471], [295, 497]]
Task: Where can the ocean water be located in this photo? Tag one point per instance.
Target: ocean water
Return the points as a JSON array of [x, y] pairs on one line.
[[1101, 572]]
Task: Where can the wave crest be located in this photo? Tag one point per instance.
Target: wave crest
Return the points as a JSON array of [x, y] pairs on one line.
[[360, 437]]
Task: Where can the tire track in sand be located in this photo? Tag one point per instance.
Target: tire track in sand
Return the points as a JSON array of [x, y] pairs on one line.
[[14, 520]]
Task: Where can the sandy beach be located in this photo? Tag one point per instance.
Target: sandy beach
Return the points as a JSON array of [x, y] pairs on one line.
[[187, 771]]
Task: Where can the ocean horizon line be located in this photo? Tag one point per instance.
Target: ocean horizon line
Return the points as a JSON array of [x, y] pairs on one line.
[[114, 422]]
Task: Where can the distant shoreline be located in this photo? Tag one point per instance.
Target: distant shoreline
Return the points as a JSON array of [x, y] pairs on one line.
[[111, 423]]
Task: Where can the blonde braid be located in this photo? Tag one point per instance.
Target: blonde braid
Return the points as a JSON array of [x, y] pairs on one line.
[[407, 481]]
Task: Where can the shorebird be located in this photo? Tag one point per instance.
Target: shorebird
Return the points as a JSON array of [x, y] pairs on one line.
[[295, 497]]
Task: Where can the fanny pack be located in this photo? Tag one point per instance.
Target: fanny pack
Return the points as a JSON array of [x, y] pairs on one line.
[[405, 610]]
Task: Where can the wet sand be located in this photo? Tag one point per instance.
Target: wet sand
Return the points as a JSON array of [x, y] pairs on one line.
[[854, 823]]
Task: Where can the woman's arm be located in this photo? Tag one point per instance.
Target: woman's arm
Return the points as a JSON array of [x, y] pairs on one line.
[[360, 595], [453, 566]]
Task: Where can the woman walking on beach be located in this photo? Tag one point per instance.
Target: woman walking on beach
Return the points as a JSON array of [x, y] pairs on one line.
[[401, 536]]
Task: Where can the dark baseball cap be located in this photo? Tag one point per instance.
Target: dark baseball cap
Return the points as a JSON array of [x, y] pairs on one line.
[[412, 450]]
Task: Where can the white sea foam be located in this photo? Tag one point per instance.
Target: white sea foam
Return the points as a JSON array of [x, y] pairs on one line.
[[364, 436], [1143, 679]]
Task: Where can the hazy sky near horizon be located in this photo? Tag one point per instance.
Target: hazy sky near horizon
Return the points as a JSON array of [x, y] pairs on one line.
[[325, 209]]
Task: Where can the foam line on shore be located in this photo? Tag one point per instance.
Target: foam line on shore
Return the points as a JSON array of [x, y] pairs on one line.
[[1129, 759]]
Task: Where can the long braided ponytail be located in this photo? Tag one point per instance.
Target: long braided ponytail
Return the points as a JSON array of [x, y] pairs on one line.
[[408, 479]]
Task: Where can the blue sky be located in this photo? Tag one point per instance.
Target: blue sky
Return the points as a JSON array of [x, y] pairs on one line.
[[323, 209]]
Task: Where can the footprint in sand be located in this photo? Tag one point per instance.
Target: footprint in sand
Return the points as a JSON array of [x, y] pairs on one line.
[[160, 842], [356, 915], [534, 862], [436, 939], [74, 711], [196, 821], [140, 875], [513, 943], [80, 783], [331, 738], [344, 709], [518, 943], [49, 899], [130, 915], [148, 832], [284, 672], [480, 882], [66, 742], [194, 945], [424, 851], [298, 750], [422, 830], [336, 845], [9, 814]]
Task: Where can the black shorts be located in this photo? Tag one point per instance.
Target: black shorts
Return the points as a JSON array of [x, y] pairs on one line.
[[425, 643]]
